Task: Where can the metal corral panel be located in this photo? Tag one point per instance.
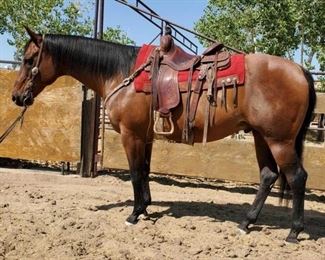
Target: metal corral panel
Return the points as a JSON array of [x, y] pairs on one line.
[[51, 129], [226, 159], [320, 105]]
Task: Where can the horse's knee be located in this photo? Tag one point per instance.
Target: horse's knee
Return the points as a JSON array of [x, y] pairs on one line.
[[295, 173], [301, 175], [268, 177], [289, 163]]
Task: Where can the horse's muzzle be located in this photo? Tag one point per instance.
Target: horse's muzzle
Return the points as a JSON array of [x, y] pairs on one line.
[[26, 99]]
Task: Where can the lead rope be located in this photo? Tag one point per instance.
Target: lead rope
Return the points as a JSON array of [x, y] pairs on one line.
[[12, 126]]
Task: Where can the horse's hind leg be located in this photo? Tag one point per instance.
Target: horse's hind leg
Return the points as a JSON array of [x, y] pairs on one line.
[[297, 177], [290, 165], [268, 176], [135, 151]]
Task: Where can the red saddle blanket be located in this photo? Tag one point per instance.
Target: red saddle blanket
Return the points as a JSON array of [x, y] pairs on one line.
[[142, 83]]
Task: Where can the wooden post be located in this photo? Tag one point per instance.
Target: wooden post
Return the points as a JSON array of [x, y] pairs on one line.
[[90, 114]]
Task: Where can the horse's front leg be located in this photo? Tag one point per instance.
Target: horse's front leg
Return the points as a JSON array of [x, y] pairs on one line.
[[135, 151], [145, 184]]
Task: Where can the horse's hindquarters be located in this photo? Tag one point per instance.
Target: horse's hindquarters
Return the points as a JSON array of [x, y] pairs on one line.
[[276, 96]]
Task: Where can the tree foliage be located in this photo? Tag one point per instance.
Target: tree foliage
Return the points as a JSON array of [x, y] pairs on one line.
[[50, 16], [117, 35], [310, 16], [274, 27]]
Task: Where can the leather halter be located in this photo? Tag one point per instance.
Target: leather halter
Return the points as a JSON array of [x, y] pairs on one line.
[[35, 70]]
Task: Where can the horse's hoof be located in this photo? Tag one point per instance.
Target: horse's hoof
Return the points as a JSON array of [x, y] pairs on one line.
[[243, 229], [292, 240], [293, 235], [131, 220], [242, 232]]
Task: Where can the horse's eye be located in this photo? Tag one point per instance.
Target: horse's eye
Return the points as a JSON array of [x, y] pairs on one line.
[[29, 61]]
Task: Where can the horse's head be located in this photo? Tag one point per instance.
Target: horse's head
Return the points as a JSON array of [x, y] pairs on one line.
[[36, 71]]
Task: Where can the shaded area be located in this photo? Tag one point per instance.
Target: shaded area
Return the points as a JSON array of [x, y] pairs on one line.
[[185, 182], [161, 178], [26, 164], [65, 168], [276, 217]]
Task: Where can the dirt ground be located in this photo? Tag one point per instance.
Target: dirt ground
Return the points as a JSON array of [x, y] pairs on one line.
[[44, 215]]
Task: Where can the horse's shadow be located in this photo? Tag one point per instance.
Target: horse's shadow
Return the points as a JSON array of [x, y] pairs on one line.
[[275, 217], [169, 180]]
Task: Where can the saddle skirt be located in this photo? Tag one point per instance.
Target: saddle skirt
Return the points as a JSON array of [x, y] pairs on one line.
[[236, 69], [173, 71]]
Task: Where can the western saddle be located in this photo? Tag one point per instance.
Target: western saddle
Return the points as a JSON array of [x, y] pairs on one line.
[[167, 61]]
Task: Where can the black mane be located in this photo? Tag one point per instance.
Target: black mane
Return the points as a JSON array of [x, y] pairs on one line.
[[99, 57]]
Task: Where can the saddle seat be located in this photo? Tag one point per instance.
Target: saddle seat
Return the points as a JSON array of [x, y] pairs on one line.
[[174, 59], [168, 61], [179, 60]]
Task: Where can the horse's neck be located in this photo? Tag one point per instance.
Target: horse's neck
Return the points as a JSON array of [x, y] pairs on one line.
[[101, 84], [91, 81], [98, 65]]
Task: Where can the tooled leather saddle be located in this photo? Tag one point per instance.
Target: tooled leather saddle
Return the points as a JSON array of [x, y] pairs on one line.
[[167, 62]]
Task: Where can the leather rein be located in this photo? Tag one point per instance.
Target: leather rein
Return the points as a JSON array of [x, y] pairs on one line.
[[29, 87]]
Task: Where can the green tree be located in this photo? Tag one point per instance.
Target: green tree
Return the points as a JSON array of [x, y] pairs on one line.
[[274, 27], [310, 16], [117, 35], [50, 16]]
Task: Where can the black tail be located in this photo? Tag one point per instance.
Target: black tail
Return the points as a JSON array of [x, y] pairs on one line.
[[312, 102], [299, 145]]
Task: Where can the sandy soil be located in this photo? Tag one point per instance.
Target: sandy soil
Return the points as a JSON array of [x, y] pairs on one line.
[[44, 215]]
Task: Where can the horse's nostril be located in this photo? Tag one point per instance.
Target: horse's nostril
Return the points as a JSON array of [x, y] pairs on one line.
[[17, 99], [27, 99]]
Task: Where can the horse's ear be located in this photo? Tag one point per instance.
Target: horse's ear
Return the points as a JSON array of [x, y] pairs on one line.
[[36, 38]]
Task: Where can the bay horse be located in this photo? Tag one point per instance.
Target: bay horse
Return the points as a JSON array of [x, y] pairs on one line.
[[275, 103]]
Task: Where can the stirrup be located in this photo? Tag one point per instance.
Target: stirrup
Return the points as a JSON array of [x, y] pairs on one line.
[[157, 120]]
